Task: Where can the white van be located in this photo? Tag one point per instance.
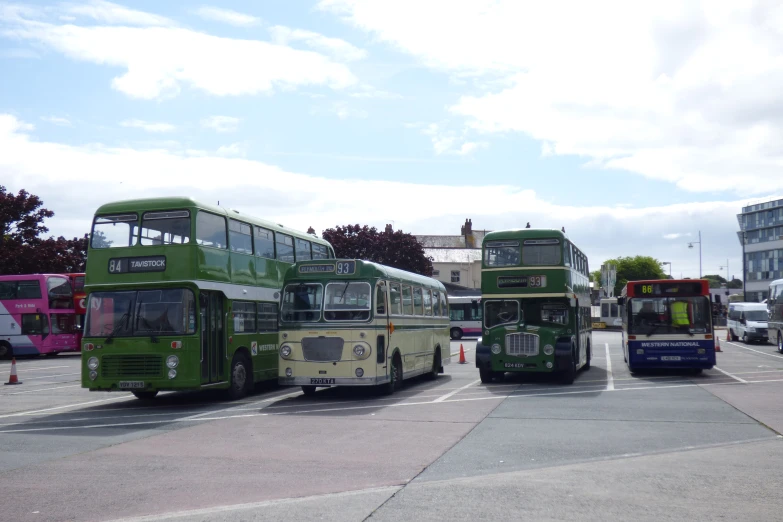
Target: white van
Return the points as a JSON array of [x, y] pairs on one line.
[[748, 321]]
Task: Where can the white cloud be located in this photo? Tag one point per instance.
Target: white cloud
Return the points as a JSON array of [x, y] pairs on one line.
[[446, 141], [690, 93], [345, 111], [339, 49], [228, 16], [49, 169], [57, 120], [113, 14], [160, 60], [221, 123], [675, 235], [235, 149], [148, 126]]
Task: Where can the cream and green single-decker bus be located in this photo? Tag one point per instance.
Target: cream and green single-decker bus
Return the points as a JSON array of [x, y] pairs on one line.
[[348, 322], [184, 296]]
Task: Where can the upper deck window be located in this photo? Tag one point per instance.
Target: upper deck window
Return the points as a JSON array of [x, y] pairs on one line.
[[501, 253], [211, 230], [240, 237], [60, 292], [265, 243], [285, 248], [541, 252], [20, 289], [165, 228], [320, 251], [114, 231], [303, 250]]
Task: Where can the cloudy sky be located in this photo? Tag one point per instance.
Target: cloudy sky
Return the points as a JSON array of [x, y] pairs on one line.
[[633, 124]]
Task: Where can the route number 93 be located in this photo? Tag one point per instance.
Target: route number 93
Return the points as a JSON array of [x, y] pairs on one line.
[[346, 267], [536, 281]]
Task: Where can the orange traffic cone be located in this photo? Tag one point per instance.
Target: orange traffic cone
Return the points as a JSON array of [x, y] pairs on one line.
[[13, 379], [717, 344], [728, 334], [462, 355]]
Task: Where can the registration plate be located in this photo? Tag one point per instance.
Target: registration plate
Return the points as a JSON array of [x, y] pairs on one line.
[[671, 358], [131, 385], [322, 381]]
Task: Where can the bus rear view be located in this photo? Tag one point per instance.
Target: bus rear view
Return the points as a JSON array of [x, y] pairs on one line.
[[667, 324]]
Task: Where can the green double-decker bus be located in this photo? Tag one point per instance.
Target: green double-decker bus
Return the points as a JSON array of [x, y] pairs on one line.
[[536, 298], [184, 296]]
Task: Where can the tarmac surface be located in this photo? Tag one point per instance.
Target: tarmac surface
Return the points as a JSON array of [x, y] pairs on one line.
[[612, 446]]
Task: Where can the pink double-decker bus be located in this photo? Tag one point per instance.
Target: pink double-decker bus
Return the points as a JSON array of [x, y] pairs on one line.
[[37, 315]]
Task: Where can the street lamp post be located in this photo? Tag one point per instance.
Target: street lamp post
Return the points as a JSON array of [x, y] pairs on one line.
[[728, 273], [744, 269], [690, 245], [670, 267]]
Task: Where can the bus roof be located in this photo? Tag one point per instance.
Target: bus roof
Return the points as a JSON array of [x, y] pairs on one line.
[[365, 270], [29, 276], [517, 233], [173, 203]]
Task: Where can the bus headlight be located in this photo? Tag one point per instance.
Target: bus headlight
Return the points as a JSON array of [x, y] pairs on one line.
[[361, 350], [92, 363], [289, 372], [172, 373], [93, 375], [639, 351], [172, 361], [496, 348], [285, 351], [549, 349], [701, 351], [359, 372]]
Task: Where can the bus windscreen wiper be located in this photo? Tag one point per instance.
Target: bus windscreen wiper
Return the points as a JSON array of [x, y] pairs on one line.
[[149, 326], [652, 330], [117, 327]]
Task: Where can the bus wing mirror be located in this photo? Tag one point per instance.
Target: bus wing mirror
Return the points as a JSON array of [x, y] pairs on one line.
[[620, 301]]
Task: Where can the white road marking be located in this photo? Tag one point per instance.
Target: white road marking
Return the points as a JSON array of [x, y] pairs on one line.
[[444, 397], [39, 390], [757, 351], [213, 412], [730, 375], [62, 407], [610, 377], [53, 376], [40, 369]]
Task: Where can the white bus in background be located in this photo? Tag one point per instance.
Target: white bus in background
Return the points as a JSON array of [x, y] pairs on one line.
[[466, 316], [610, 313]]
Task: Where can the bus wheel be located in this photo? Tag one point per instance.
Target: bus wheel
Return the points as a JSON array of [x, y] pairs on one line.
[[486, 376], [395, 375], [456, 333], [780, 341], [696, 371], [589, 356], [145, 395], [308, 390], [435, 366], [240, 377], [5, 349], [569, 374]]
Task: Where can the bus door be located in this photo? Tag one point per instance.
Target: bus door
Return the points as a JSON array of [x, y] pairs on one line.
[[213, 344], [383, 338]]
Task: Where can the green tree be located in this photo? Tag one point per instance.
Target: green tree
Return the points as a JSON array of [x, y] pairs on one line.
[[715, 280], [735, 283], [635, 268], [595, 277]]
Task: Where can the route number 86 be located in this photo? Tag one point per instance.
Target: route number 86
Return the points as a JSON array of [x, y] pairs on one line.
[[647, 289]]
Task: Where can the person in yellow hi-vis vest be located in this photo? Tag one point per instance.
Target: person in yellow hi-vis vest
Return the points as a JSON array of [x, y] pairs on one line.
[[680, 317]]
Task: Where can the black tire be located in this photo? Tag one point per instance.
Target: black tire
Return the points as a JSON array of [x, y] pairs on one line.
[[456, 333], [241, 377], [145, 395], [568, 375], [395, 376], [6, 352], [486, 375], [745, 338], [589, 357], [435, 366], [308, 390], [697, 371], [733, 336], [780, 342]]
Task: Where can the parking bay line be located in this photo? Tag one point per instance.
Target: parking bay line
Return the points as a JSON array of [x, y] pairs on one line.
[[743, 381], [369, 406], [610, 377], [757, 351]]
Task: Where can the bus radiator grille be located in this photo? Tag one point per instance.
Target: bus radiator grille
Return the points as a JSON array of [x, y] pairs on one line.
[[322, 349], [522, 344], [113, 366]]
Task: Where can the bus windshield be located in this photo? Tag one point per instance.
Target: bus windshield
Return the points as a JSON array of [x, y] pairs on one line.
[[669, 315], [141, 313], [347, 301], [302, 302], [546, 312]]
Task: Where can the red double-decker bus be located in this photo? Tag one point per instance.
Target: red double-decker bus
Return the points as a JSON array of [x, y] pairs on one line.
[[79, 301]]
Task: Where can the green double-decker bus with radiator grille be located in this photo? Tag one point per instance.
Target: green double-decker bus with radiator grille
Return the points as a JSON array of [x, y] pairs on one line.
[[184, 296], [536, 298]]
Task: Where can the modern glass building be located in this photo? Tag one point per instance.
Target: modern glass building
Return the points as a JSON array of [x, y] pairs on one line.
[[761, 236]]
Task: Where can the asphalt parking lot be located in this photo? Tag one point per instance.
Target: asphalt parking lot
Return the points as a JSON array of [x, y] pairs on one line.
[[612, 446]]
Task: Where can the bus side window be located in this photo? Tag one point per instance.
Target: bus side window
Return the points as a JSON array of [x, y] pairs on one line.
[[395, 300], [380, 298]]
